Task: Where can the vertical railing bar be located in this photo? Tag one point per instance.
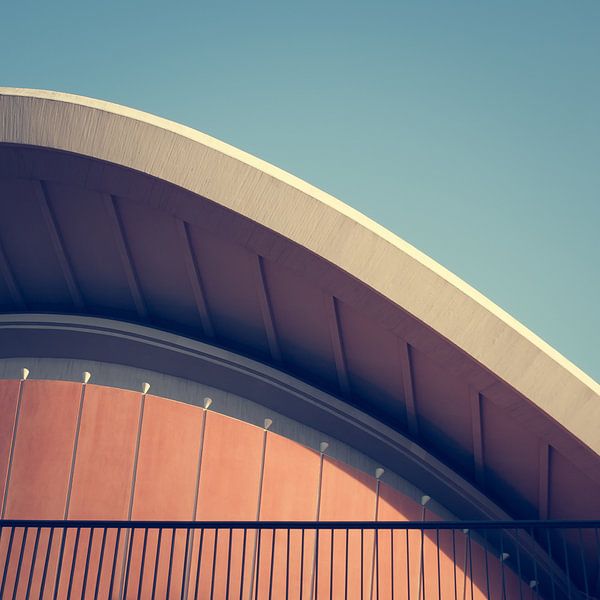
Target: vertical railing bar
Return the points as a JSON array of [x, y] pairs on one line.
[[301, 563], [585, 579], [73, 563], [421, 589], [114, 564], [20, 562], [420, 595], [256, 575], [407, 566], [214, 564], [454, 562], [535, 567], [519, 571], [439, 572], [471, 565], [487, 568], [33, 559], [87, 562], [465, 565], [272, 564], [502, 560], [60, 561], [243, 565], [331, 566], [362, 567], [142, 563], [287, 566], [346, 568], [597, 536], [101, 558], [422, 568], [184, 563], [229, 542], [171, 552], [315, 583], [392, 531], [549, 542], [128, 562], [564, 544], [377, 562], [156, 563], [197, 584], [46, 561]]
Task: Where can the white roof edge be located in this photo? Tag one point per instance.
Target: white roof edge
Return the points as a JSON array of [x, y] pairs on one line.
[[331, 203]]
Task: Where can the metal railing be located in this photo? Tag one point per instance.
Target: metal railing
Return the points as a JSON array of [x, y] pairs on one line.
[[511, 560]]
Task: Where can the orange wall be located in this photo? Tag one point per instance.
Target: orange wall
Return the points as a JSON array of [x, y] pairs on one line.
[[9, 393], [181, 462]]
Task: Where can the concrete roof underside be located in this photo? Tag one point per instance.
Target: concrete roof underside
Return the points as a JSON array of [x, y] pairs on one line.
[[109, 212]]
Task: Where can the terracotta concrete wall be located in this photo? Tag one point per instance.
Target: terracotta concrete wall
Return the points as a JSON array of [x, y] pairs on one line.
[[104, 453]]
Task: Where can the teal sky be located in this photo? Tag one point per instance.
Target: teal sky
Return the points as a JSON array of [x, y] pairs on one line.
[[470, 129]]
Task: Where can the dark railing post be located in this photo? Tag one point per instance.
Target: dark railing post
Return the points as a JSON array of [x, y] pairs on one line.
[[46, 561], [100, 561], [33, 559], [228, 579], [20, 563], [61, 554], [142, 563], [87, 561]]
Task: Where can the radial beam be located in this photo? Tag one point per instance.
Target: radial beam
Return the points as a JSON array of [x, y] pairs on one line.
[[544, 481], [267, 310], [191, 266], [335, 335], [125, 255], [58, 244], [409, 388], [11, 282], [476, 427]]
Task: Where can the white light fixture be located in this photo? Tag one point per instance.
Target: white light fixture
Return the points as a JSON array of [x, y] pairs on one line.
[[24, 373], [379, 472], [145, 387], [504, 556], [532, 583], [465, 531], [86, 376], [207, 402], [268, 423], [323, 447], [425, 499]]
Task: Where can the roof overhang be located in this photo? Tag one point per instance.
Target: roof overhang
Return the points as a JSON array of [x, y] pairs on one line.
[[65, 154]]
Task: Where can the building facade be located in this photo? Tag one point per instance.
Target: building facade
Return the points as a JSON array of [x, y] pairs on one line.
[[189, 334]]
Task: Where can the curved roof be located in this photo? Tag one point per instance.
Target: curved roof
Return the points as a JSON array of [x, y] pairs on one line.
[[371, 279]]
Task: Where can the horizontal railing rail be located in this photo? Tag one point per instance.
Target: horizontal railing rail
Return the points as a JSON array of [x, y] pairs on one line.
[[304, 560], [426, 525]]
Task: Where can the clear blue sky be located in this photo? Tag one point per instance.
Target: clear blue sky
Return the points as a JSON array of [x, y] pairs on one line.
[[470, 129]]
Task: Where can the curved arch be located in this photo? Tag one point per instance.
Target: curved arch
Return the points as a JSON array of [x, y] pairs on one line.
[[327, 227], [158, 353]]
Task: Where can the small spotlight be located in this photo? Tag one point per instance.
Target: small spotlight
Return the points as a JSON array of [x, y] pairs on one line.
[[425, 499], [504, 556], [268, 423], [86, 376], [323, 447], [379, 472], [145, 387], [207, 402], [533, 583], [24, 373]]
